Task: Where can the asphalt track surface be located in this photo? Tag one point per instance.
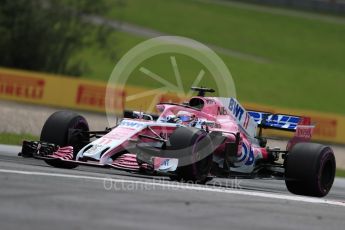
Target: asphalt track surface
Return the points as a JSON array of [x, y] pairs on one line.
[[36, 196]]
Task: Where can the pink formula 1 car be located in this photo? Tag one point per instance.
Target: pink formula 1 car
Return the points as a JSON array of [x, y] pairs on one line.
[[203, 138]]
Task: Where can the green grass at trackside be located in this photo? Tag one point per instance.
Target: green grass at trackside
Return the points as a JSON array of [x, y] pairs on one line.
[[340, 173], [272, 84], [284, 39], [306, 57], [15, 139]]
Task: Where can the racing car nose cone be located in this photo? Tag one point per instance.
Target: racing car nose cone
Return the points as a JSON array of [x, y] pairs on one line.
[[94, 152]]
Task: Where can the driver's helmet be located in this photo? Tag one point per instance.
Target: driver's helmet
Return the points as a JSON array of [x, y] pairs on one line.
[[185, 116], [172, 119]]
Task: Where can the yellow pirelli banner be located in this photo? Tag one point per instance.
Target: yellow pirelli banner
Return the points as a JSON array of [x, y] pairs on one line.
[[55, 90], [67, 92]]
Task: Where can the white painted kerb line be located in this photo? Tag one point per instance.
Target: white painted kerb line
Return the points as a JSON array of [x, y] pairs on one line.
[[187, 187]]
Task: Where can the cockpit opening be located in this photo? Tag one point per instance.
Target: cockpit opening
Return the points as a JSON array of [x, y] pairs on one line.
[[197, 103]]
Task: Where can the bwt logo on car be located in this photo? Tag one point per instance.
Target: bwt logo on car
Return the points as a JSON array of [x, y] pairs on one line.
[[132, 124], [165, 162], [236, 109]]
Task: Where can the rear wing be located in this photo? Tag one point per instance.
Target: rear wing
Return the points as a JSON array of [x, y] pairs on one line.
[[279, 121], [301, 126]]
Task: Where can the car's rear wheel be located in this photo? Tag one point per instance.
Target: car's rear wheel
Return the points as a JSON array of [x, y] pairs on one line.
[[193, 148], [64, 128], [310, 169]]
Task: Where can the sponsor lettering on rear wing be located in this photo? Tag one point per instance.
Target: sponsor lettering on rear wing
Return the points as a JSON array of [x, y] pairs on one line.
[[301, 126], [279, 121]]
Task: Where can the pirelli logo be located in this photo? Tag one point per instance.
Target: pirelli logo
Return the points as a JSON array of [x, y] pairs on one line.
[[94, 96], [21, 87], [325, 127]]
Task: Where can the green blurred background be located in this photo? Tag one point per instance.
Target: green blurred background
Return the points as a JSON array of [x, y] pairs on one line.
[[284, 57]]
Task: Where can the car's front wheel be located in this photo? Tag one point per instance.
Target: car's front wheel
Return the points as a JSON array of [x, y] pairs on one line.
[[193, 148], [64, 128]]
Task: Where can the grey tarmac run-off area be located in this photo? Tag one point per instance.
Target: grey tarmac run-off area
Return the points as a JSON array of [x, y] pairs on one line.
[[36, 196], [27, 118]]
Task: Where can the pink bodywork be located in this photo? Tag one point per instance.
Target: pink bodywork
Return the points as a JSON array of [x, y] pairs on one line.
[[219, 117], [214, 110]]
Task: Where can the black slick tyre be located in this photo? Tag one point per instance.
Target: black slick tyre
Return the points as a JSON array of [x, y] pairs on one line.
[[193, 147], [310, 169], [62, 129]]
